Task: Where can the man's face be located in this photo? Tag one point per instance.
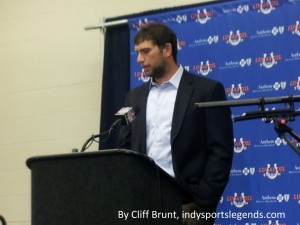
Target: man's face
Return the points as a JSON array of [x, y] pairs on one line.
[[151, 58]]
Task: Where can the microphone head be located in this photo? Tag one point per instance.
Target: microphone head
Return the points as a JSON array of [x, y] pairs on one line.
[[127, 114]]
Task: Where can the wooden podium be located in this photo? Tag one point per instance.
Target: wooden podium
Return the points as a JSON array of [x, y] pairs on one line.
[[103, 188]]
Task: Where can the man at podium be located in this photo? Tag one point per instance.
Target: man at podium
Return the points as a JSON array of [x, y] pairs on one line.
[[195, 146]]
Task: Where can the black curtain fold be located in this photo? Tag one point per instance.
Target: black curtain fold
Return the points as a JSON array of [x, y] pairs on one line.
[[115, 83]]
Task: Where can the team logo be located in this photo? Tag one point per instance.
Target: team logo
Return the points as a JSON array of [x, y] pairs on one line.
[[276, 222], [236, 92], [295, 84], [180, 44], [297, 198], [203, 16], [234, 38], [204, 68], [239, 201], [142, 76], [240, 145], [141, 23], [295, 28], [265, 6], [272, 172], [268, 61]]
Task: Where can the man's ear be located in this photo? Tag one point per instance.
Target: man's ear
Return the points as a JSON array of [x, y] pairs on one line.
[[168, 50]]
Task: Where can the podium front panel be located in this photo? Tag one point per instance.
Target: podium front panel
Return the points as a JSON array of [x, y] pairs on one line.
[[107, 187]]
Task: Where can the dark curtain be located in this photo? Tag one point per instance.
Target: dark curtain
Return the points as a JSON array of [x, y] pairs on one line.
[[115, 84]]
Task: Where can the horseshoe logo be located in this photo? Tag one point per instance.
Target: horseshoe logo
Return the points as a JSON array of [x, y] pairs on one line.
[[204, 69], [200, 19], [266, 10], [297, 28], [239, 149], [239, 204], [143, 77], [272, 175], [234, 39], [268, 64], [236, 95]]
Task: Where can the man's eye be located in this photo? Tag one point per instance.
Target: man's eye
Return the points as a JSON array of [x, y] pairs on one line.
[[145, 51]]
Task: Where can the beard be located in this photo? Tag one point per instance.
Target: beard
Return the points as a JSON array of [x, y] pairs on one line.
[[158, 71]]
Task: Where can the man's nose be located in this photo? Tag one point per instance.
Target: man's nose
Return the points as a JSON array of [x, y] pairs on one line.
[[140, 58]]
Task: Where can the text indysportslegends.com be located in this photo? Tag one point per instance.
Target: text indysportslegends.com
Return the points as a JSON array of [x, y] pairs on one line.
[[152, 214]]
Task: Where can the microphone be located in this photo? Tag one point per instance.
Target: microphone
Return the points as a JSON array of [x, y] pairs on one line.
[[124, 116]]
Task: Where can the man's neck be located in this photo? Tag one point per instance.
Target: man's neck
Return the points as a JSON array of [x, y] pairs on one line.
[[168, 74]]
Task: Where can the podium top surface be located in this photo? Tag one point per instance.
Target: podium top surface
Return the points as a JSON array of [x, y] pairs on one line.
[[32, 160]]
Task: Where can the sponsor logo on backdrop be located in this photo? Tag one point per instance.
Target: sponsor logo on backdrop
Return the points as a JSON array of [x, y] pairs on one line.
[[271, 199], [272, 171], [279, 30], [236, 64], [295, 28], [240, 144], [181, 18], [234, 172], [239, 201], [278, 85], [294, 1], [202, 16], [236, 92], [210, 40], [293, 57], [177, 19], [295, 84], [268, 60], [240, 9], [234, 38], [265, 6], [264, 143], [295, 170], [205, 67]]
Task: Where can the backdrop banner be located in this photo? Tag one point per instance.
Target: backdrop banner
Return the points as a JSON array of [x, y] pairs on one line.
[[253, 48]]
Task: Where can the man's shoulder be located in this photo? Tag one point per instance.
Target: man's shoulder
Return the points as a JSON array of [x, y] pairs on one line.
[[198, 79], [139, 89]]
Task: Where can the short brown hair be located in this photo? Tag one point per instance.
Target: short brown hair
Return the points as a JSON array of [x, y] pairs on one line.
[[159, 34]]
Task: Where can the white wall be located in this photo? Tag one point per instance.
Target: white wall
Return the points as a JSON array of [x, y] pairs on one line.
[[50, 84]]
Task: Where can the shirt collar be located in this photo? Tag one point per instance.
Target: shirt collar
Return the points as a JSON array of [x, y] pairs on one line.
[[175, 79]]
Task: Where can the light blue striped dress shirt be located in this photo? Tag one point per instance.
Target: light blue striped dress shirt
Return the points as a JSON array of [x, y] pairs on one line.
[[160, 108]]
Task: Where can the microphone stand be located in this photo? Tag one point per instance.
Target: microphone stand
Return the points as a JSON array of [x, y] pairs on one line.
[[279, 117], [89, 141]]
